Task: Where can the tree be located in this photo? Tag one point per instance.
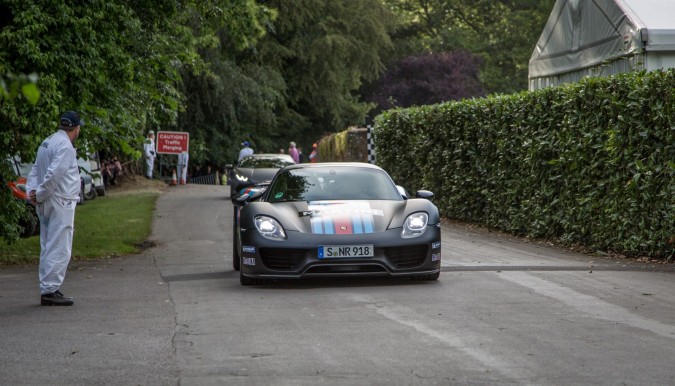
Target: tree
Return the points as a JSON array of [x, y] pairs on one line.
[[429, 79], [228, 100], [324, 51], [503, 33], [119, 63]]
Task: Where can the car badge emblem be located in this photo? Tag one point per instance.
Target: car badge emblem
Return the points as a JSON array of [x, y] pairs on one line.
[[343, 228]]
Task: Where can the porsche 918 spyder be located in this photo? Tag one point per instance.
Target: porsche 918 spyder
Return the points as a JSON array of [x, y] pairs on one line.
[[334, 219], [256, 168]]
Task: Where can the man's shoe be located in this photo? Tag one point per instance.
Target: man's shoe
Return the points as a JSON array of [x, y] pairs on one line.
[[56, 299]]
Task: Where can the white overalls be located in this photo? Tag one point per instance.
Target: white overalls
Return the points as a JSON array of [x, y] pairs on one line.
[[182, 167], [149, 150], [56, 179]]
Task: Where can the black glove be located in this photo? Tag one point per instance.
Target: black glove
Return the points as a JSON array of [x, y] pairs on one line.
[[153, 153]]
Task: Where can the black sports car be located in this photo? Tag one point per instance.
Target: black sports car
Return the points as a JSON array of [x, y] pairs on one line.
[[256, 168], [329, 219]]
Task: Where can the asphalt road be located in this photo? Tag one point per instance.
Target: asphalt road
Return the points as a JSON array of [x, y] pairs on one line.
[[504, 311]]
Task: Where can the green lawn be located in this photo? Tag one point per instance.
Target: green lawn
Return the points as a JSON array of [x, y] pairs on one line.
[[106, 226]]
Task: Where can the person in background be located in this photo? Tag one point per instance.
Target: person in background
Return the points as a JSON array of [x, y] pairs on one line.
[[54, 186], [314, 155], [115, 169], [105, 173], [301, 157], [246, 150], [182, 167], [293, 151], [149, 152], [110, 167]]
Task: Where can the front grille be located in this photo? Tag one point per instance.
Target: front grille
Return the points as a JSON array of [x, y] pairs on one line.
[[345, 268], [281, 259], [407, 257]]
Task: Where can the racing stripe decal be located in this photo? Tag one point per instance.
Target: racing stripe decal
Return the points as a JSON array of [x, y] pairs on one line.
[[342, 217], [368, 223], [358, 225], [343, 226], [328, 225], [317, 227]]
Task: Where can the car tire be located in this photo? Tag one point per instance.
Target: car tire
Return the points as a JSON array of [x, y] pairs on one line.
[[236, 265], [91, 195], [236, 256], [81, 200], [101, 191]]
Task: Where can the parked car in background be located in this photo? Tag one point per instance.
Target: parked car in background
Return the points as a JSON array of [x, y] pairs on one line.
[[334, 219], [90, 166], [30, 221], [88, 191], [256, 168]]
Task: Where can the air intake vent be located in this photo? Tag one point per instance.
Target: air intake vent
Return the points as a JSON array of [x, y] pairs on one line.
[[407, 257]]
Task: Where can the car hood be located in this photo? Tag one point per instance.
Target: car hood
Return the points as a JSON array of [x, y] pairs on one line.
[[338, 217]]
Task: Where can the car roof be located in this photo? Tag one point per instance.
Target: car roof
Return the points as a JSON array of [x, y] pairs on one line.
[[333, 164], [269, 155]]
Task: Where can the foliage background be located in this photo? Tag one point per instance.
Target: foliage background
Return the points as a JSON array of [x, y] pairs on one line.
[[591, 163], [267, 71]]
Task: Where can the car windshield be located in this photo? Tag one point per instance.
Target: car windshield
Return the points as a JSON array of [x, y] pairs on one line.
[[265, 163], [332, 183]]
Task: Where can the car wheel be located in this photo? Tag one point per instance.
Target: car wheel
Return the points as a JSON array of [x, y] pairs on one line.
[[236, 256], [81, 200], [91, 195]]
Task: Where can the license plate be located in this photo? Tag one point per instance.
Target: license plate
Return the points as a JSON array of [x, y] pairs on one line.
[[345, 251]]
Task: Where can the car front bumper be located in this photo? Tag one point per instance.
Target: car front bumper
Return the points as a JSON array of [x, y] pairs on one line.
[[297, 256]]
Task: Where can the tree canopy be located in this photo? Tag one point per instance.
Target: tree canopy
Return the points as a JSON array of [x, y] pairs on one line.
[[266, 71]]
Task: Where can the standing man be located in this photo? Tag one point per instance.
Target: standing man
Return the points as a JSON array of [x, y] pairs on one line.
[[54, 185], [182, 167], [246, 150], [293, 151], [149, 152]]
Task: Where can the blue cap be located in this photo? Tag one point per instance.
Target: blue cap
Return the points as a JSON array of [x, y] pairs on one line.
[[70, 120], [246, 143]]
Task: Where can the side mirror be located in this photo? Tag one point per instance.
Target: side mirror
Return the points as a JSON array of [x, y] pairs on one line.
[[403, 192], [252, 195], [424, 194]]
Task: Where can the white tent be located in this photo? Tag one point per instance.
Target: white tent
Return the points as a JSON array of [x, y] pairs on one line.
[[603, 37]]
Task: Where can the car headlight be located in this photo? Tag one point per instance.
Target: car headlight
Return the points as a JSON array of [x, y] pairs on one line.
[[415, 225], [269, 228], [241, 178]]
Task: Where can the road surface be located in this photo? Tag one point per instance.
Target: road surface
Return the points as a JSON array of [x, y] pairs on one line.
[[504, 311]]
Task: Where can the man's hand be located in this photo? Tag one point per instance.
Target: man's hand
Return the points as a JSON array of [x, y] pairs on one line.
[[32, 195]]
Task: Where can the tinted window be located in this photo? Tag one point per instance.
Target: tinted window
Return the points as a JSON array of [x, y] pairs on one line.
[[269, 163], [332, 183]]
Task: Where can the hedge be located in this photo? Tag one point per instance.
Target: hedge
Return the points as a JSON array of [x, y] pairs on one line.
[[590, 163]]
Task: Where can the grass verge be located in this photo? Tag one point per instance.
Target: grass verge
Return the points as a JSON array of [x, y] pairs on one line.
[[109, 226]]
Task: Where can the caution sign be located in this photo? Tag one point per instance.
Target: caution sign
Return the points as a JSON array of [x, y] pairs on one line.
[[172, 142]]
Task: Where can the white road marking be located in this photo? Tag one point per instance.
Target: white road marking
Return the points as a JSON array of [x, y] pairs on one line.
[[410, 318], [590, 305]]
